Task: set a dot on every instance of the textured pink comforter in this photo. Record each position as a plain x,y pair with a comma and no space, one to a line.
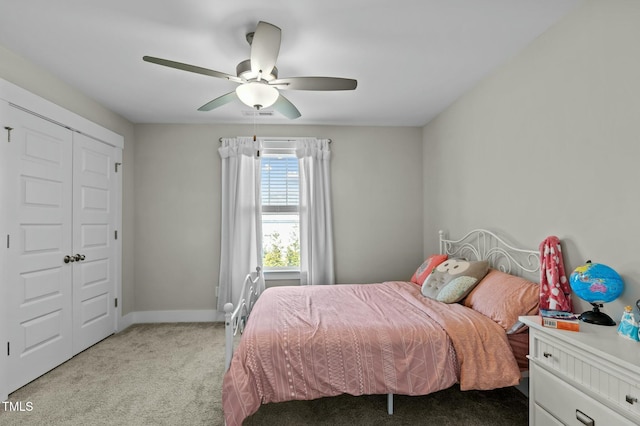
308,342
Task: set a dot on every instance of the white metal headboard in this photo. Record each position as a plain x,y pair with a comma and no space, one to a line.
481,244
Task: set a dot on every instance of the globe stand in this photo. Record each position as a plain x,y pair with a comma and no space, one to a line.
596,317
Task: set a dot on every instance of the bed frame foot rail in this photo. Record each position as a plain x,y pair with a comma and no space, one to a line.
228,335
235,319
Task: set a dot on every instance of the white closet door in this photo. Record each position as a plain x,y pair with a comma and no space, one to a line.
38,280
94,218
4,294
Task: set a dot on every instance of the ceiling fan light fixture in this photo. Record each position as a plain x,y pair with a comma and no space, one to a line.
257,95
258,76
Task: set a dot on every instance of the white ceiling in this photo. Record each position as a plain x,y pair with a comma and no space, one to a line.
412,58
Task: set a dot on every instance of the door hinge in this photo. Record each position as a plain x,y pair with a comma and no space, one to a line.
117,165
8,240
8,129
8,348
116,302
116,234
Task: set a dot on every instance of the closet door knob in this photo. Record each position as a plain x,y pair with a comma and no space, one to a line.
68,259
78,257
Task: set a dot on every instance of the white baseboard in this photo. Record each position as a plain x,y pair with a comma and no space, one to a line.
145,317
124,322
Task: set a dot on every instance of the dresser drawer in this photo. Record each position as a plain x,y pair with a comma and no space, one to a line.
582,369
548,353
567,403
543,418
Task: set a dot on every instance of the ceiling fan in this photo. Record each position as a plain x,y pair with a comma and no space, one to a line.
258,76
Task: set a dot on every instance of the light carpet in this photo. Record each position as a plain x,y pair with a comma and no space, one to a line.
171,374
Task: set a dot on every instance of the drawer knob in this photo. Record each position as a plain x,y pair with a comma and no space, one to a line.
546,355
584,419
630,399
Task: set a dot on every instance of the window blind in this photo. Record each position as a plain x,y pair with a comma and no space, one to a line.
280,185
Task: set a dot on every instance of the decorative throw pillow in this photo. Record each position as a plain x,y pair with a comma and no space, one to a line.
453,279
427,266
503,298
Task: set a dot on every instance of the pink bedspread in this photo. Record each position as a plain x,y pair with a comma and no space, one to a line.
308,342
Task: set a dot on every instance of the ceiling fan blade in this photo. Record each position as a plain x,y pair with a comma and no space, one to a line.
191,68
219,101
286,108
315,83
265,48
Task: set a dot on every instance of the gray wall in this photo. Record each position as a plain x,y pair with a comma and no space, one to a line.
549,145
546,145
377,190
171,227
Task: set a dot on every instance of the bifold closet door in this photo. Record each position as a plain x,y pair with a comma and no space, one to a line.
39,212
61,255
94,250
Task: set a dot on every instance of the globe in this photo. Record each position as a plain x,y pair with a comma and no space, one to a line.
596,283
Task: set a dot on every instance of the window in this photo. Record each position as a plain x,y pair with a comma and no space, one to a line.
280,192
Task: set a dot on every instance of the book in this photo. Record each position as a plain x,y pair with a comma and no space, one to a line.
560,320
558,314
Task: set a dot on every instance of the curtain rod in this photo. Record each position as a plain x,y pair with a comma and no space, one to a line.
279,139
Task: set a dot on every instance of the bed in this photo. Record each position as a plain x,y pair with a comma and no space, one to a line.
307,342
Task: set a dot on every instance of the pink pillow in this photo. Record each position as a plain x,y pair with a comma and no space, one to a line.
503,298
427,266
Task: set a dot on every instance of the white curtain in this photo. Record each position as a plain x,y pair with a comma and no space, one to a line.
316,227
241,222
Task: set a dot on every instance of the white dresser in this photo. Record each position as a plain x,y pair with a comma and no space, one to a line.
590,377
